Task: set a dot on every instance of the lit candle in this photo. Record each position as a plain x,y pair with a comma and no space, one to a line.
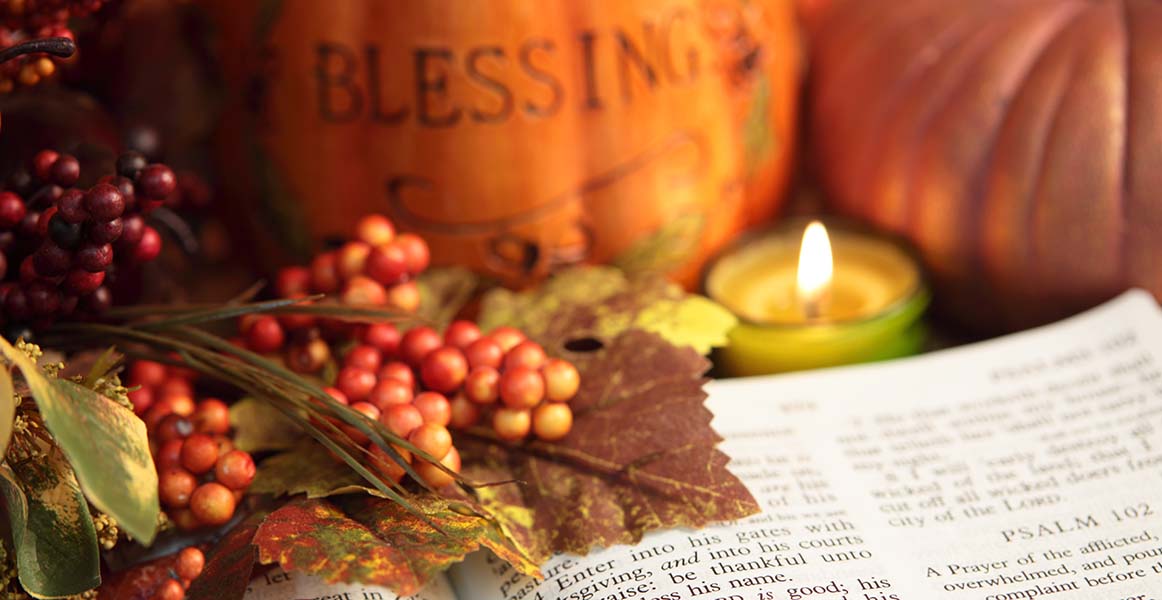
809,297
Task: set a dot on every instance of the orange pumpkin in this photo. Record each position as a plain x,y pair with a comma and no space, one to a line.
516,136
1018,143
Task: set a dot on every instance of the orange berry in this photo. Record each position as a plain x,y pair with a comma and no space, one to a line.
417,343
482,385
390,392
292,281
364,291
145,373
522,387
460,334
525,354
235,470
308,357
169,455
512,423
364,357
355,383
337,396
404,297
484,352
507,337
212,504
561,380
431,438
175,487
435,476
375,230
352,258
463,412
366,409
383,336
173,427
142,399
325,274
191,561
434,407
170,589
387,264
444,369
552,421
416,250
388,465
398,371
401,419
211,415
199,453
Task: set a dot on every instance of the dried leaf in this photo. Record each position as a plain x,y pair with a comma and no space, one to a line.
7,408
105,443
259,426
308,469
371,540
444,291
602,302
229,565
641,456
52,531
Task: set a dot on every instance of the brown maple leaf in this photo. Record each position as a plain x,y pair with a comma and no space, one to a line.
641,455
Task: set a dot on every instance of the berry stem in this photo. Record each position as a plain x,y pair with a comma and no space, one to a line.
62,47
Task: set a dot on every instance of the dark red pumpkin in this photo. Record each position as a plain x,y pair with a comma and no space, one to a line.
1018,143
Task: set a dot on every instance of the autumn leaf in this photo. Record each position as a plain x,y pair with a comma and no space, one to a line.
603,302
259,426
308,469
641,456
375,541
229,564
443,291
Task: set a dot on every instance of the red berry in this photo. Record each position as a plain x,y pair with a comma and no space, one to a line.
404,297
561,380
199,453
355,383
398,371
141,398
44,299
525,354
146,373
444,369
383,336
104,202
292,281
416,251
65,171
324,274
235,470
180,393
431,438
170,589
461,334
129,164
12,210
191,561
389,392
375,230
81,282
16,305
94,258
388,464
484,352
173,427
265,335
169,455
51,260
156,182
99,301
42,163
125,186
351,258
417,343
507,337
149,247
522,387
401,419
434,407
482,385
387,264
337,396
71,206
104,233
364,357
175,486
308,357
132,230
212,504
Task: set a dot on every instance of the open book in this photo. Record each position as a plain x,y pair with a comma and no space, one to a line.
1024,467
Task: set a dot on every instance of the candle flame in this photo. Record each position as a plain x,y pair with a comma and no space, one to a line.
813,280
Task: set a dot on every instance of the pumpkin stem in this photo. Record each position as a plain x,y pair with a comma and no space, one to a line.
56,46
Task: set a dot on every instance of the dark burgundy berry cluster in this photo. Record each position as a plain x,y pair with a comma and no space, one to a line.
23,21
60,242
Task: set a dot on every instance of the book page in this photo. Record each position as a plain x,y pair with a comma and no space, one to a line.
1024,467
276,584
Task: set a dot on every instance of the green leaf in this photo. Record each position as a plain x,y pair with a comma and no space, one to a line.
602,302
370,540
105,443
7,409
259,426
52,530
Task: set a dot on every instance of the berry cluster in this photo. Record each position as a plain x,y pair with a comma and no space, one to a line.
187,566
405,382
65,240
201,476
28,20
